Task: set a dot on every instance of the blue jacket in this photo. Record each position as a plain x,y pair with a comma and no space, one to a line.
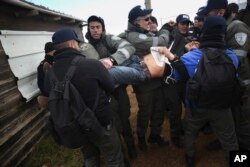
191,59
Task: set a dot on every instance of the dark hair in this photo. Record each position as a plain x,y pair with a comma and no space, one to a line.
233,7
98,19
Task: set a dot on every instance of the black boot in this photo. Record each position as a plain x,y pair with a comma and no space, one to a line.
157,139
142,143
189,161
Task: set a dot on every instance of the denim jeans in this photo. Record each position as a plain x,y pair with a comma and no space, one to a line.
129,72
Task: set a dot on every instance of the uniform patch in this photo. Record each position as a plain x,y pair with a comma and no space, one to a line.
143,36
241,38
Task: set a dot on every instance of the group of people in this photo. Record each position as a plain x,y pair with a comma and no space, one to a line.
111,63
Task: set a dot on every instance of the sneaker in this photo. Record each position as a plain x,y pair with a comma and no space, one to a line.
214,145
132,152
142,143
157,139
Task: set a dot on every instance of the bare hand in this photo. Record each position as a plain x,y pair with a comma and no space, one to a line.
107,63
171,23
191,45
166,52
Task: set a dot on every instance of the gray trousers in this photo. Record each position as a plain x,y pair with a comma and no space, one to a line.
221,122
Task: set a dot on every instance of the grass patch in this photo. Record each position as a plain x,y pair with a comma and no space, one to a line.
49,154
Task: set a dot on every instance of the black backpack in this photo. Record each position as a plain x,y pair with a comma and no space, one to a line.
215,84
71,122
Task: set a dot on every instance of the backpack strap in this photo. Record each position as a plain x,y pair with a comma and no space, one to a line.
70,73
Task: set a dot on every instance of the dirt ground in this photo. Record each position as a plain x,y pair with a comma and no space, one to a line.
170,156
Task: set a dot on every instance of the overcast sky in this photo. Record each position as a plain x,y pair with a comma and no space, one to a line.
115,12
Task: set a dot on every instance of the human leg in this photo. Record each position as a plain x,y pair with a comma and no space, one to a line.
222,124
110,147
173,102
194,120
124,114
144,96
242,126
129,72
157,119
91,155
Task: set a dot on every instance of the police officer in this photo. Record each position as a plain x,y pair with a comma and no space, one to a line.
113,50
238,39
139,35
173,92
244,14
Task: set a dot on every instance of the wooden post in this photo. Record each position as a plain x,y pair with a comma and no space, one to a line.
148,4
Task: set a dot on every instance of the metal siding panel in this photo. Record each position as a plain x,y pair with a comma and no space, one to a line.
25,50
25,65
28,87
21,43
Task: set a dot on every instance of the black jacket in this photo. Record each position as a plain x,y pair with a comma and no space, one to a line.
90,78
40,72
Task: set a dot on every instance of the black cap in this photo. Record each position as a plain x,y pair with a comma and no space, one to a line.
201,11
136,12
49,47
213,4
183,18
98,19
63,35
214,24
154,20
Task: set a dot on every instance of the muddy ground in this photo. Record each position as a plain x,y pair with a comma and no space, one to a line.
170,156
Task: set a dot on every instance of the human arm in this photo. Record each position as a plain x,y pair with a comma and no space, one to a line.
175,63
123,49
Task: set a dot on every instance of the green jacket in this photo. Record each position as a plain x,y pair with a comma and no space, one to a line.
238,39
142,40
112,46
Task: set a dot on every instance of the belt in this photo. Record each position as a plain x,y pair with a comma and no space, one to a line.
145,69
240,53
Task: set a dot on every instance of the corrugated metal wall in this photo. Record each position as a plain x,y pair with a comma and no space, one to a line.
24,57
22,122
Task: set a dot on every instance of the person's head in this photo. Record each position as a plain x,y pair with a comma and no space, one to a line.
195,21
214,7
232,10
183,22
200,18
140,17
66,38
49,48
234,7
153,24
214,29
96,27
